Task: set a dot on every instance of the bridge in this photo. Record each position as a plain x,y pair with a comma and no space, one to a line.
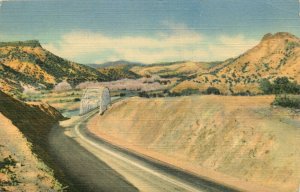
92,98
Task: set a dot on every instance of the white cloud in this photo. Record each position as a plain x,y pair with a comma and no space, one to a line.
230,46
160,47
175,43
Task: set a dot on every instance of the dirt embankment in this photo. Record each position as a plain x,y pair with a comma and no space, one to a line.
20,169
19,165
242,137
34,120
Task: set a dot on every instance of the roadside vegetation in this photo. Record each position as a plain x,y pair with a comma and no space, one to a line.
291,101
287,92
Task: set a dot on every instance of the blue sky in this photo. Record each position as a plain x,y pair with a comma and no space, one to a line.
95,31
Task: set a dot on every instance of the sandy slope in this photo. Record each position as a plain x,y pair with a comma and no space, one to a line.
242,137
20,170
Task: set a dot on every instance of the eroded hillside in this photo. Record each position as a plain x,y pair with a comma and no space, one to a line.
243,137
29,64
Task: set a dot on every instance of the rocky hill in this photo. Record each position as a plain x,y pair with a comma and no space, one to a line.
276,55
117,70
28,63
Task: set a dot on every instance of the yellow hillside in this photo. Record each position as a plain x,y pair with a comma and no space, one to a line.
27,63
276,55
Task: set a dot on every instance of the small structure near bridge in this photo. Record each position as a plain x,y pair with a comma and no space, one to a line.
94,98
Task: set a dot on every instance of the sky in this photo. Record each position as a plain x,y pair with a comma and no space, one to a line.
147,31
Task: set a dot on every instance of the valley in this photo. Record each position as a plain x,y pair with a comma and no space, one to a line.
229,125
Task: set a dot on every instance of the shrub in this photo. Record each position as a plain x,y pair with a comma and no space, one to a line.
267,66
144,94
190,91
184,92
291,45
281,85
213,90
292,101
243,93
244,68
233,75
77,99
122,94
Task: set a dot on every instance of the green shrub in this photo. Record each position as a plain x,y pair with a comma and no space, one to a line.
122,94
144,94
292,101
283,85
213,90
291,45
243,93
279,86
244,68
185,92
190,91
77,99
267,66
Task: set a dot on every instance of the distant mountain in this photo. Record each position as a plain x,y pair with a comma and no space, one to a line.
117,70
116,63
28,63
181,69
276,55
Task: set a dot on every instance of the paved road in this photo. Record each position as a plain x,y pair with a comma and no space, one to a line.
96,165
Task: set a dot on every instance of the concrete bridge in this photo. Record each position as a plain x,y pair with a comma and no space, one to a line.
93,98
